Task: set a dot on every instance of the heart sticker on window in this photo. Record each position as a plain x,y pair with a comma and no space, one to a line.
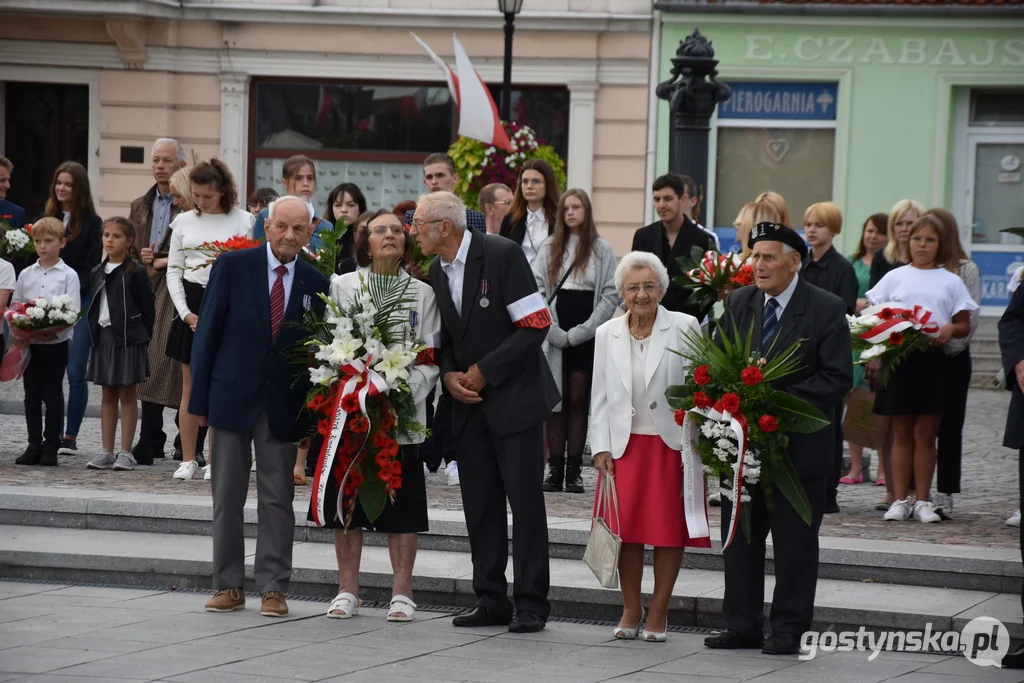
776,149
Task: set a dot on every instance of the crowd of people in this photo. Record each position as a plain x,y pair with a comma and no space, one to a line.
545,341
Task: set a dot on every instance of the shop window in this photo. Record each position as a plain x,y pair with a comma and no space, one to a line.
778,137
375,134
997,107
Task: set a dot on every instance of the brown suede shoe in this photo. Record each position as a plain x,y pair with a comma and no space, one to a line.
226,600
274,605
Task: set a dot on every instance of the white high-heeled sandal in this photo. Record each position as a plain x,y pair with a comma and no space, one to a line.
623,633
344,606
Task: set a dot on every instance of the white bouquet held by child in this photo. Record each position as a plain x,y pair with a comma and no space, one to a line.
39,320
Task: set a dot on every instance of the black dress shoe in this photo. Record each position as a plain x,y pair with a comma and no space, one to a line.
781,644
831,507
526,622
482,616
1014,660
731,640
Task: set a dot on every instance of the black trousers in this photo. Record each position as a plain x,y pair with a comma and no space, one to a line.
796,564
1020,504
440,444
951,429
151,432
44,385
494,468
832,482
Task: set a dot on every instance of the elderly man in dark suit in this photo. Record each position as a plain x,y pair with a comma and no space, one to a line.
672,237
244,385
783,309
1011,344
494,322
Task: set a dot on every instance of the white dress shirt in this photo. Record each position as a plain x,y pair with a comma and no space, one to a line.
36,281
456,270
536,233
104,320
783,299
288,277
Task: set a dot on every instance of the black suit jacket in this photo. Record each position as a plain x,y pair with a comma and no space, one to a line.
1011,346
817,319
652,238
520,391
517,231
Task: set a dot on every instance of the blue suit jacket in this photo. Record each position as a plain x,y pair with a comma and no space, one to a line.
237,369
16,213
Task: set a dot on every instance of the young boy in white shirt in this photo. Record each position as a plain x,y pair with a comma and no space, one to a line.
44,377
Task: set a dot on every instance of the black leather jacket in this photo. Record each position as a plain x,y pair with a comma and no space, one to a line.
131,302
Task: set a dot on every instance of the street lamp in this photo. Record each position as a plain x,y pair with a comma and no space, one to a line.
692,93
510,8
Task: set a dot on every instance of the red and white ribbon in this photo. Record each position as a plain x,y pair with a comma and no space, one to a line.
901,318
364,380
690,430
694,495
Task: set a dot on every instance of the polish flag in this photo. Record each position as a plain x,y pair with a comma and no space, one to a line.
478,115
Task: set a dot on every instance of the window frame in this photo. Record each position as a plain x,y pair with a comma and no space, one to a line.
255,151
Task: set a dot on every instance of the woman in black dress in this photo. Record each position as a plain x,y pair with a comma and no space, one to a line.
575,273
381,250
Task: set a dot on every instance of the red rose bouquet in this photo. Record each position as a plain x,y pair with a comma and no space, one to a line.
735,422
711,276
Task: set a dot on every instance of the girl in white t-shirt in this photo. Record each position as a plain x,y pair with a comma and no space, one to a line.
916,395
214,219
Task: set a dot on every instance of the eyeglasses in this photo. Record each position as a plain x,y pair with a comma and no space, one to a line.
648,287
419,224
507,202
381,229
531,181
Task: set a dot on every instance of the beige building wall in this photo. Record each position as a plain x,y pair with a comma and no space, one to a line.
187,75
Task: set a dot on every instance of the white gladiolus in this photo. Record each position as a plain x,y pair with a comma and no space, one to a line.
873,352
322,375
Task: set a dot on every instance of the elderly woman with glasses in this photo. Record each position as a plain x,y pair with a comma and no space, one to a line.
636,440
382,249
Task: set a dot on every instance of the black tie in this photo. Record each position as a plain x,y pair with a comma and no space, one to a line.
771,324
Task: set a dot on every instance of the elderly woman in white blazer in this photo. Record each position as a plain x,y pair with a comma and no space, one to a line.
635,438
380,248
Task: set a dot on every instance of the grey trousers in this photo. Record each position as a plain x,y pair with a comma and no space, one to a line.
231,459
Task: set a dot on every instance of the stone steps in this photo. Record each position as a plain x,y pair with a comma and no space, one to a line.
996,570
443,578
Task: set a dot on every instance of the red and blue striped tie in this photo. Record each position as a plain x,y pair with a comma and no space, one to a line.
277,302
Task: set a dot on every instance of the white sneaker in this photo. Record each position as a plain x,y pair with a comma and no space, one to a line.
1014,519
899,511
452,470
943,505
186,470
924,511
206,472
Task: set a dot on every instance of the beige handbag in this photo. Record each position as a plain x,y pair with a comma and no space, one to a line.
602,553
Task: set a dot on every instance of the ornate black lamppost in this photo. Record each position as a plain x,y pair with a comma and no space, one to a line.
692,93
510,8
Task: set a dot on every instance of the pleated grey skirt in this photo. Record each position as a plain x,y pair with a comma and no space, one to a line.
114,365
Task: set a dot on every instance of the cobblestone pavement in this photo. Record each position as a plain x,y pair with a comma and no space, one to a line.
989,481
59,633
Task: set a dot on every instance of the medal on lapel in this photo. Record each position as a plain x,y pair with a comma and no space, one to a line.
307,302
484,289
414,318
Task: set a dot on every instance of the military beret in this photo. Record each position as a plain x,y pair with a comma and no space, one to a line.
775,232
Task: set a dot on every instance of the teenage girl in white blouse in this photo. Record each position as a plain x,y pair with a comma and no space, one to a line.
215,218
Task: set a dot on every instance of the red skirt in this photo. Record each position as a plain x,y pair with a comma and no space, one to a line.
649,481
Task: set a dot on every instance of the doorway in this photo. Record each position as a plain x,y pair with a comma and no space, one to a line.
45,124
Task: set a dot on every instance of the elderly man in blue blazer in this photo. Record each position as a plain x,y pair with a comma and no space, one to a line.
245,387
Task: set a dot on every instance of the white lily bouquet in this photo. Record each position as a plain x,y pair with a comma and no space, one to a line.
363,354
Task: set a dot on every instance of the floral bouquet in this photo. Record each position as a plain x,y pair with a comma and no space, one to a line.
325,259
735,423
38,320
891,332
363,355
214,249
15,242
711,276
